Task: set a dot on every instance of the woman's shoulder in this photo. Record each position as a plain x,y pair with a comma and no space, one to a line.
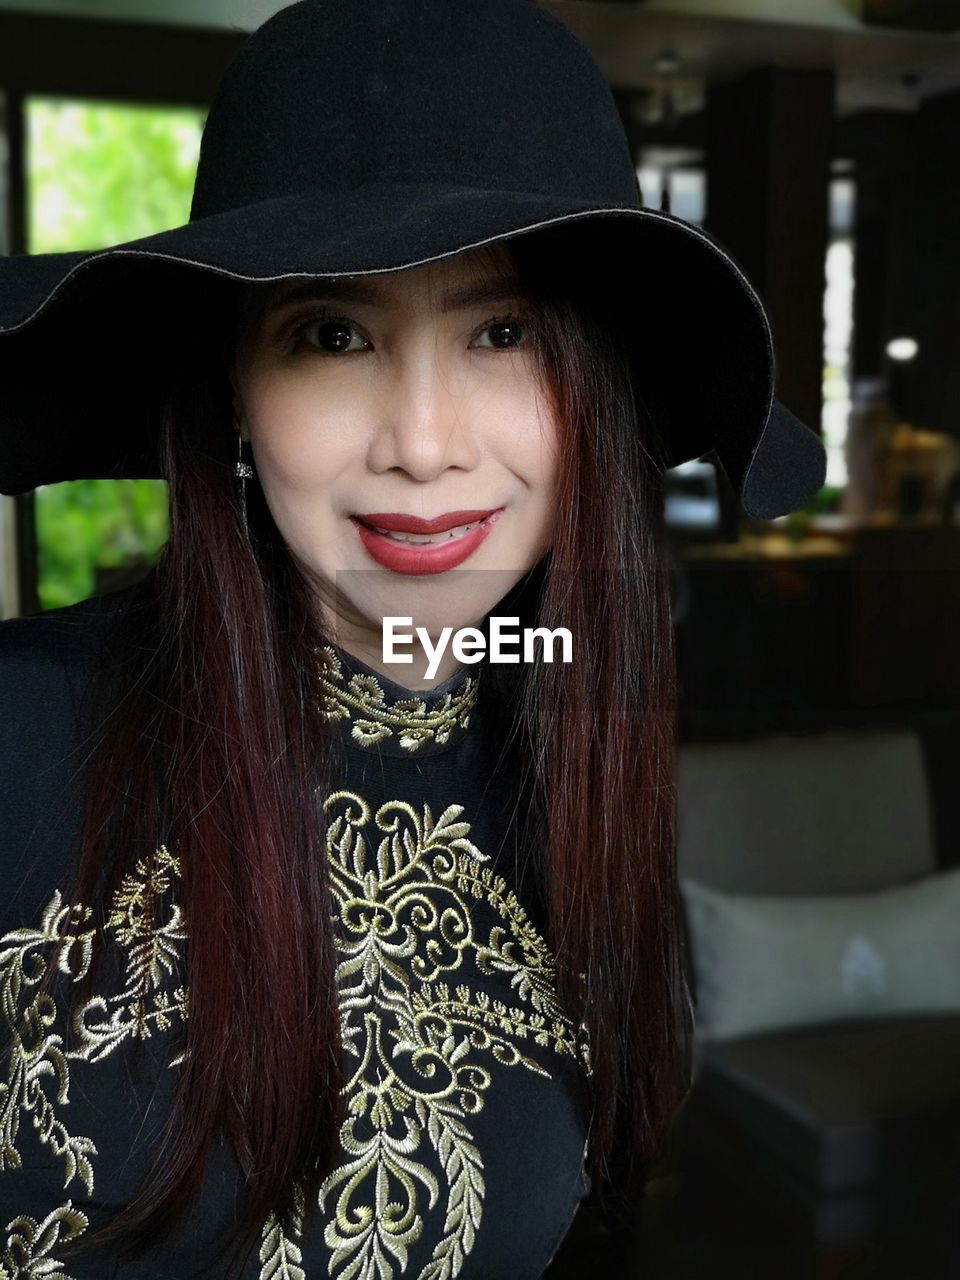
46,664
61,635
46,650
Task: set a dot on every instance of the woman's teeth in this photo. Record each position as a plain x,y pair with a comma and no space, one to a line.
416,539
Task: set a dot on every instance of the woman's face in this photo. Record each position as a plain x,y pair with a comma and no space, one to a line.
393,399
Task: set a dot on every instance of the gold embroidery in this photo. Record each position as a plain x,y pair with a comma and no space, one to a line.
152,950
37,1055
363,699
406,924
280,1256
418,1041
29,1243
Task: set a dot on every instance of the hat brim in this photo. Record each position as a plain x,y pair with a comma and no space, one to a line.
84,335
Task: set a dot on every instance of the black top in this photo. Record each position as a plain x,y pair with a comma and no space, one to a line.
475,1169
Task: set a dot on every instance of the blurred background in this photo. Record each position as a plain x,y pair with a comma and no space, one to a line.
819,718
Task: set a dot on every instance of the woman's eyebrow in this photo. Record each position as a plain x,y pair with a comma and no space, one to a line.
364,292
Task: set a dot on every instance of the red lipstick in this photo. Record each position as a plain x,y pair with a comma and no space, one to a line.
423,558
397,522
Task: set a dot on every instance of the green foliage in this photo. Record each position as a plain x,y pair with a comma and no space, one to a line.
102,174
824,502
88,525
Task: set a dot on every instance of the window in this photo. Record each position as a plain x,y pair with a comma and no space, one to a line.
679,171
100,174
838,327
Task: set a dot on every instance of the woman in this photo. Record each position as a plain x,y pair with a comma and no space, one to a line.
377,974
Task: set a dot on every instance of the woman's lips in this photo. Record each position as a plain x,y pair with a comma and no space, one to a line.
398,521
450,541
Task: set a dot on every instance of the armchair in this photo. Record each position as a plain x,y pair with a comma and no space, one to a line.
837,1142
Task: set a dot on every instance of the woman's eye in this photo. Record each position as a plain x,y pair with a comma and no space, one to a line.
333,336
504,334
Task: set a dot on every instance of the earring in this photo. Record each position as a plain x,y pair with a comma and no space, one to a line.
243,471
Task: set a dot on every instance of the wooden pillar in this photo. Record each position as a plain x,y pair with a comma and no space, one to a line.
925,301
769,146
24,513
19,516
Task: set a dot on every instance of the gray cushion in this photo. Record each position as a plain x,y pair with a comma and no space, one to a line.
764,962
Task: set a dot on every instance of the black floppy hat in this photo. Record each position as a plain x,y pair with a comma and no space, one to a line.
358,136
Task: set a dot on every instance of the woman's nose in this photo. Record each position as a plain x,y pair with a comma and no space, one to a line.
425,425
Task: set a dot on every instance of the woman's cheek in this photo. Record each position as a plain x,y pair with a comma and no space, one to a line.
536,452
298,468
295,452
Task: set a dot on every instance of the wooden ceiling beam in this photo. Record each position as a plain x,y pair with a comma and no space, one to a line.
127,61
912,15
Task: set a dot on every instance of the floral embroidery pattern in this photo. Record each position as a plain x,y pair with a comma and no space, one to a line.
421,1036
280,1256
363,700
29,1243
37,1056
419,1042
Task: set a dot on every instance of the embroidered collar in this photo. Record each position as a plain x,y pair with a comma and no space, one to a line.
386,717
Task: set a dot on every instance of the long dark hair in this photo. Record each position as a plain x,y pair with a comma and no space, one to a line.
214,747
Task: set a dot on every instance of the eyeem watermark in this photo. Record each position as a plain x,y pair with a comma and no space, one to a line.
469,644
